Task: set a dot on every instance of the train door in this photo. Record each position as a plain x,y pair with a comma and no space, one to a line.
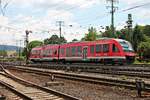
85,53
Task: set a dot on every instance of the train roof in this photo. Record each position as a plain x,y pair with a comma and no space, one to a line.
80,42
119,40
37,48
91,41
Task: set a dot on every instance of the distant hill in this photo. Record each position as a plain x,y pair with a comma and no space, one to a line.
9,48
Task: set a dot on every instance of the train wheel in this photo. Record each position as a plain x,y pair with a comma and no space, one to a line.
121,64
63,61
112,63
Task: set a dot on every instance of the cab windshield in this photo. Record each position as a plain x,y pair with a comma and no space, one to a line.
127,47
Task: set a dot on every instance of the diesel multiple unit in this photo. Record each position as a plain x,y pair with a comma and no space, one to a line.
100,51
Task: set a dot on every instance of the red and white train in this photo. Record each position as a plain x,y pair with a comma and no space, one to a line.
105,51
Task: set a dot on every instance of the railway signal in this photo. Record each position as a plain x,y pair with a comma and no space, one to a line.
129,26
27,42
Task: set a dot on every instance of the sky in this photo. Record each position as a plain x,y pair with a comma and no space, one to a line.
41,16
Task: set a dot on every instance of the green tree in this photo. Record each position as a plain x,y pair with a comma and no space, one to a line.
54,39
146,30
34,44
138,37
124,34
74,40
108,33
3,53
92,34
31,45
144,49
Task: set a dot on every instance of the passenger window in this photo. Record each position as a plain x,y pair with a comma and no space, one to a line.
44,52
105,48
50,52
79,51
47,52
67,52
92,49
33,52
55,52
73,51
98,48
114,48
62,51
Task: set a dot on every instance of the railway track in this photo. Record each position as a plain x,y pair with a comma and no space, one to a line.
30,91
84,78
87,66
74,66
125,73
143,72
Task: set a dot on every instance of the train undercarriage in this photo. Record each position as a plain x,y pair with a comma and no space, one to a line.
115,61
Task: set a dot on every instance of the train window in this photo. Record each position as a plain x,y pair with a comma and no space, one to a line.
33,52
55,52
44,53
73,50
105,48
37,52
62,50
92,49
50,52
114,48
67,52
98,48
79,51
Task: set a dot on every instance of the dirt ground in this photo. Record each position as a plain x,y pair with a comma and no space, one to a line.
85,91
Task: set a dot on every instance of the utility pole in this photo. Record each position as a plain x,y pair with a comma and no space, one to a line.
20,49
27,42
113,9
60,24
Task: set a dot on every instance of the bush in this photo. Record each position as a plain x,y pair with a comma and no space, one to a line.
144,50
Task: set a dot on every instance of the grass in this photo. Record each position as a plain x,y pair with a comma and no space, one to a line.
142,62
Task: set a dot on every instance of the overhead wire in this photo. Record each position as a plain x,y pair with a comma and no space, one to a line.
134,7
100,17
124,10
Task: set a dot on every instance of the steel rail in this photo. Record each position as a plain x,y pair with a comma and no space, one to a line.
60,94
134,72
15,91
84,78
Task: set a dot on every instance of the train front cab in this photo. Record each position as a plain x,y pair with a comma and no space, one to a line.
106,51
127,50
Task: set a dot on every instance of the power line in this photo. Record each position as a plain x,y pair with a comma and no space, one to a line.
98,18
3,6
134,7
124,10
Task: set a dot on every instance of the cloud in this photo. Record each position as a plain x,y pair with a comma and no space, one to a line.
144,14
59,15
133,2
140,9
4,20
45,26
57,4
40,16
